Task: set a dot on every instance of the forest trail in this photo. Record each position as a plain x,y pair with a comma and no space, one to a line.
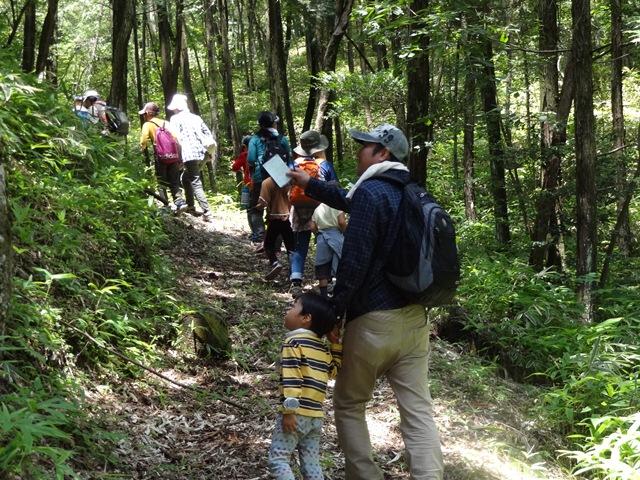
174,433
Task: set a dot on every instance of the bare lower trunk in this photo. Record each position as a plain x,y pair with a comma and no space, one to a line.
6,259
586,193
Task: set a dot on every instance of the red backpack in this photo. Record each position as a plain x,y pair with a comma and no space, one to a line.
165,146
296,194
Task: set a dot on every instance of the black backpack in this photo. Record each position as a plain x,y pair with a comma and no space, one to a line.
117,120
425,267
272,146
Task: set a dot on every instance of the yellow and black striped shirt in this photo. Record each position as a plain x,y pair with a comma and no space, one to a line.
307,363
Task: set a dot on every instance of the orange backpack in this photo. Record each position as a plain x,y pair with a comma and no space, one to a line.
296,194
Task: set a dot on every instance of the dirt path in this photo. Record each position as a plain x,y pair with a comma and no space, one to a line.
176,434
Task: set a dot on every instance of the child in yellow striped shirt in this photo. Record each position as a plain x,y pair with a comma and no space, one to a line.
307,363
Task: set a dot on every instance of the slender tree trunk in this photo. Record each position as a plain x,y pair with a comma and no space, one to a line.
136,57
251,55
280,64
313,65
170,62
617,114
6,251
586,194
468,155
212,67
122,23
246,56
15,22
364,69
343,11
227,70
542,248
456,108
29,37
339,147
418,93
47,36
496,151
185,67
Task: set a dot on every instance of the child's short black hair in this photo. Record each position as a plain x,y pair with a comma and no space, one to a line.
323,315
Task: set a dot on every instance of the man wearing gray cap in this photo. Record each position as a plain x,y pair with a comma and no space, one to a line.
384,334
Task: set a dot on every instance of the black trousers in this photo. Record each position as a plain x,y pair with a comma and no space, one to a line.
275,228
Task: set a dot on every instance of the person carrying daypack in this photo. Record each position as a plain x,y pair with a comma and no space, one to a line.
265,143
196,141
116,120
385,331
167,163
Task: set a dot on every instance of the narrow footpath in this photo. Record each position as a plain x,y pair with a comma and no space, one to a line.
176,433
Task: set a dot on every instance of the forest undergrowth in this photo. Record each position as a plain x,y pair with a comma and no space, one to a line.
99,269
485,421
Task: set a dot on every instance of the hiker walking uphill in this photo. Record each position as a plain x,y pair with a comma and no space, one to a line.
310,159
385,333
265,143
167,163
196,140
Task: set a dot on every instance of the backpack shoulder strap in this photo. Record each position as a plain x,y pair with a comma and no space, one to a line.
387,177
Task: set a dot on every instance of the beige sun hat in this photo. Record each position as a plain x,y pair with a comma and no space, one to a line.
311,142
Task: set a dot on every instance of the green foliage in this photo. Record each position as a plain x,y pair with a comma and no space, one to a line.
91,277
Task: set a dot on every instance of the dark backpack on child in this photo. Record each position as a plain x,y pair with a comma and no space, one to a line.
117,120
272,146
165,146
425,264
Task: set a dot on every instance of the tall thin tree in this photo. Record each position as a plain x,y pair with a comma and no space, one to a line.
122,24
585,141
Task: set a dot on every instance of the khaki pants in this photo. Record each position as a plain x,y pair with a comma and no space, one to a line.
394,343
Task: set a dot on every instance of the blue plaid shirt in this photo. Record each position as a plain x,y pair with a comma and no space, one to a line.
361,285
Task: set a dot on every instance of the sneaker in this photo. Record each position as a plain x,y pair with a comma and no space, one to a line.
276,268
259,248
181,206
207,217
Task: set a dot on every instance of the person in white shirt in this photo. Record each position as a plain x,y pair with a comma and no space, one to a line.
195,140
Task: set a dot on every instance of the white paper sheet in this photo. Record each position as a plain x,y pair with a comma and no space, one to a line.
278,170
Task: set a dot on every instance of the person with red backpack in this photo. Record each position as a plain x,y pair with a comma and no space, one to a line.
168,165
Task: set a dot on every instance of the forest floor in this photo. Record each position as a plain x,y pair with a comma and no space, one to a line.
487,428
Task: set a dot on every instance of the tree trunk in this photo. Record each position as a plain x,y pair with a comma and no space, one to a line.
212,68
280,65
47,36
313,65
246,56
543,248
418,129
187,85
227,70
137,66
29,37
586,194
617,114
468,156
122,23
339,147
496,152
6,251
170,63
343,11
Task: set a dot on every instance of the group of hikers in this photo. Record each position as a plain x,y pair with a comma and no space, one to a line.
366,327
371,327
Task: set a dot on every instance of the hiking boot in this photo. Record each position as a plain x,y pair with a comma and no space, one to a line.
207,217
276,268
190,209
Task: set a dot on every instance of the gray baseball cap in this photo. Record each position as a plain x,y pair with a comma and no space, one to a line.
387,135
